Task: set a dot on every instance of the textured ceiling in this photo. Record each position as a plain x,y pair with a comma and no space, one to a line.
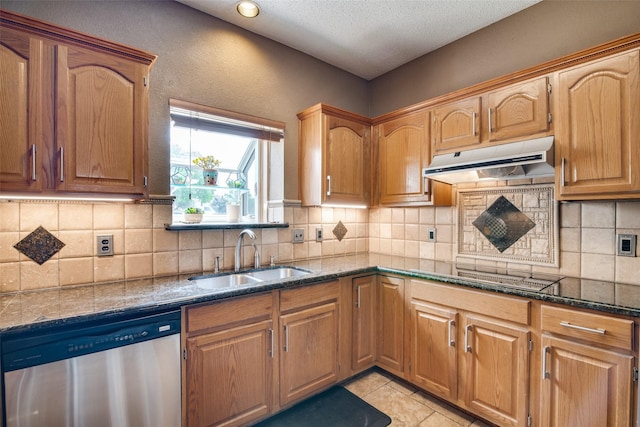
365,37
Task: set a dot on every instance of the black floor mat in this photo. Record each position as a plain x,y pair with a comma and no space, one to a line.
336,407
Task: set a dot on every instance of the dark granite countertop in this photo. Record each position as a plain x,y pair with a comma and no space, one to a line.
34,310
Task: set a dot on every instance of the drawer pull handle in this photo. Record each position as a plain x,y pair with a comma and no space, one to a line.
358,301
286,338
545,374
328,185
271,348
583,328
452,342
34,176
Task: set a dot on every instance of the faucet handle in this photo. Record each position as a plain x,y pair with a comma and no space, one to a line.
271,261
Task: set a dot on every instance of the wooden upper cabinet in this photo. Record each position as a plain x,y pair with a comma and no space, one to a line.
24,131
334,157
74,113
402,152
518,110
101,122
598,138
456,124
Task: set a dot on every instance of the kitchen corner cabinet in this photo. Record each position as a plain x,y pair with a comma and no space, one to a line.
75,113
363,348
457,124
587,363
391,321
598,140
230,361
402,151
471,348
334,157
309,322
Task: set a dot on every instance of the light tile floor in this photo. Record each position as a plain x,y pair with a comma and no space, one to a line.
405,405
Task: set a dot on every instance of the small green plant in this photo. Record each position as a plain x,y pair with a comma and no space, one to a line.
194,210
207,162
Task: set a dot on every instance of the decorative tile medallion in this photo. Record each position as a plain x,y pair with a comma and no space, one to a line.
511,224
40,245
503,224
340,231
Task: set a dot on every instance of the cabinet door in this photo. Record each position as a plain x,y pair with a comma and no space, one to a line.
390,352
496,372
403,152
101,122
309,357
584,386
599,122
229,376
346,161
456,125
364,323
26,109
518,110
434,364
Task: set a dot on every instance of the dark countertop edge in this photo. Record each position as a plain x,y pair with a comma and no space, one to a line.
162,307
224,225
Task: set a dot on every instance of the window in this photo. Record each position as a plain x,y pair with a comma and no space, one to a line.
239,143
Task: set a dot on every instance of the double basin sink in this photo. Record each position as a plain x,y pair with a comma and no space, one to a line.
226,280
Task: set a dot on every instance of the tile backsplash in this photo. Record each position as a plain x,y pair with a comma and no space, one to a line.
143,248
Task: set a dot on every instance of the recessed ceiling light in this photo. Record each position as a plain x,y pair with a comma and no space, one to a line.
248,9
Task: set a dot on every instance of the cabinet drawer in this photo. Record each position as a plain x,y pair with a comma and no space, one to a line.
596,328
228,312
307,296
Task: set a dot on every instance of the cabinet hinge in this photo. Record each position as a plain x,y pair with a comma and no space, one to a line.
635,374
529,420
530,345
549,88
549,118
184,353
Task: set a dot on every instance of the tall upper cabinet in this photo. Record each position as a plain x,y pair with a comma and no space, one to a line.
73,111
598,139
334,156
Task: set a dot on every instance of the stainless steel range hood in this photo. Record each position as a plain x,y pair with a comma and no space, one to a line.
515,160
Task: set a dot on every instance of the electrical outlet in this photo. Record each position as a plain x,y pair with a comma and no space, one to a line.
431,235
319,234
104,245
626,245
298,235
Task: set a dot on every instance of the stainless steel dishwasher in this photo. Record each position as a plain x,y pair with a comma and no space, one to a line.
121,373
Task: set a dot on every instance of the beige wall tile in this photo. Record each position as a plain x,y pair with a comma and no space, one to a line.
598,267
165,241
165,263
76,216
75,271
300,216
628,215
138,216
315,249
570,239
189,240
190,261
599,214
374,245
428,215
138,241
350,215
9,216
385,214
412,232
327,215
385,246
108,216
272,250
597,291
570,214
374,215
412,215
397,215
212,239
138,265
598,241
628,270
161,215
339,214
397,247
385,230
443,252
628,295
328,248
315,215
285,251
570,264
7,252
77,244
34,276
9,276
34,215
412,248
107,269
209,258
444,234
397,231
301,250
269,236
444,215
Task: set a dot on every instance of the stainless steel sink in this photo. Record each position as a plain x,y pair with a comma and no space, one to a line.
220,281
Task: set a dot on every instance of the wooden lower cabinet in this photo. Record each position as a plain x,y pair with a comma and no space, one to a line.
465,348
363,347
391,320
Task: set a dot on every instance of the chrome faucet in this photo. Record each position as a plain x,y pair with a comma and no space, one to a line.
256,254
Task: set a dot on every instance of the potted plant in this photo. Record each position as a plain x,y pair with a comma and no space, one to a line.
208,165
193,215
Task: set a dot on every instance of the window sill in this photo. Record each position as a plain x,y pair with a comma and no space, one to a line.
224,225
